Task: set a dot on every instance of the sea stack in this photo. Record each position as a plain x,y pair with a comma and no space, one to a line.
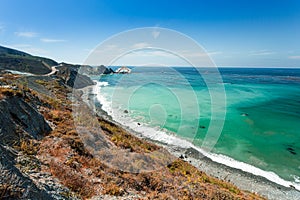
123,70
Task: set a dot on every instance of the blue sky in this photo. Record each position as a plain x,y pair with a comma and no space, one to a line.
235,33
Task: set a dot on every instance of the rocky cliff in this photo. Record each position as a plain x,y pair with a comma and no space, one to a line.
19,119
70,75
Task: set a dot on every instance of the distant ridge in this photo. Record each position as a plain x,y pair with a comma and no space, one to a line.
8,51
12,59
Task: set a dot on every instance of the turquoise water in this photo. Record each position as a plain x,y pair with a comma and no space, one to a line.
262,113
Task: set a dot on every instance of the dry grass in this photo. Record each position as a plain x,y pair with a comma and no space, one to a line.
125,140
8,77
113,189
41,82
11,187
29,147
72,179
8,92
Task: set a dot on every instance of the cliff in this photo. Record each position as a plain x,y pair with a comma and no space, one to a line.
70,76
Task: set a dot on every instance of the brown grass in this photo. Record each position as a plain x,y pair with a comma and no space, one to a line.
11,186
125,140
29,147
113,189
72,179
8,92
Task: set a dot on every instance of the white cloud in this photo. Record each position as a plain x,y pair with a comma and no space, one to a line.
26,34
48,40
294,57
263,52
140,45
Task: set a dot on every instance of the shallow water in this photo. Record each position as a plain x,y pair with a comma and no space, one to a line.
262,113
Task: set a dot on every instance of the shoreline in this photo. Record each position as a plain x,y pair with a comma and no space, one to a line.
243,180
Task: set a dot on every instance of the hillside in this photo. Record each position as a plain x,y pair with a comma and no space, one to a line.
20,61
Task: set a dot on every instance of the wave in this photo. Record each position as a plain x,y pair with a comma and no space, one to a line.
163,136
103,83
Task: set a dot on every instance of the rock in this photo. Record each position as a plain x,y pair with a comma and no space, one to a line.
123,70
18,116
95,70
291,186
108,71
77,81
291,150
20,186
70,76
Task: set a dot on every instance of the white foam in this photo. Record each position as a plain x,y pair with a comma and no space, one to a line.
102,83
157,134
106,105
271,176
297,179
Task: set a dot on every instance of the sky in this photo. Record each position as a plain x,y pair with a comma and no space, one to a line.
245,33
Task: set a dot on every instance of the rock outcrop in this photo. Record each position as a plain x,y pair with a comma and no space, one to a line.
96,70
18,185
17,116
71,77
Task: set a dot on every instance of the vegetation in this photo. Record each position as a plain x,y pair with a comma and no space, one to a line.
123,139
10,185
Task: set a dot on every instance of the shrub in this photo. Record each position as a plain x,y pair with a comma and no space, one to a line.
72,179
29,147
113,189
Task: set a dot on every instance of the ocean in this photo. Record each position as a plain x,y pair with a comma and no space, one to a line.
259,116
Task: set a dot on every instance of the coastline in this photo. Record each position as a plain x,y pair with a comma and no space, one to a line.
243,180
